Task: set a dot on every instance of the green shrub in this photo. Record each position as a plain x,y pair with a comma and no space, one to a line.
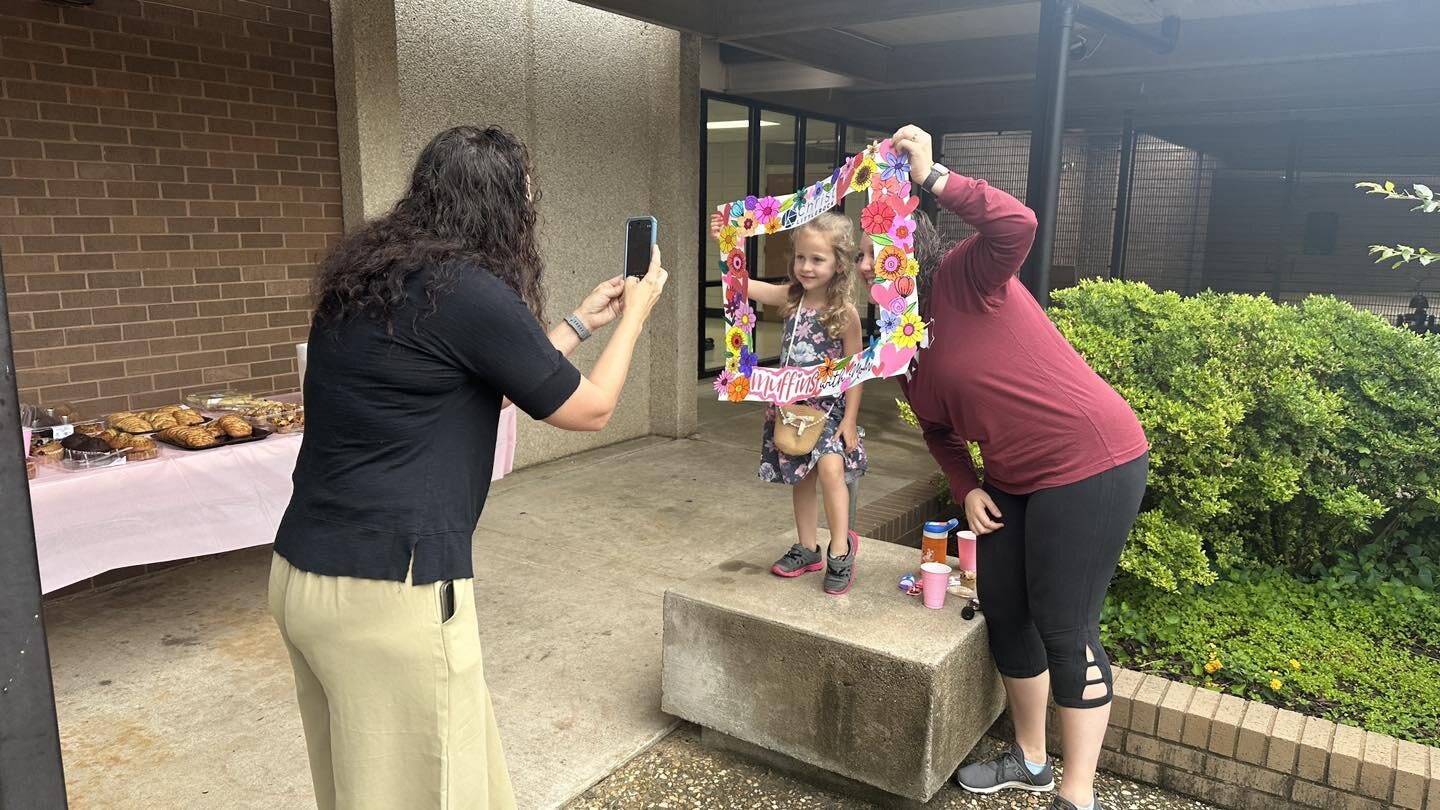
1280,435
1359,646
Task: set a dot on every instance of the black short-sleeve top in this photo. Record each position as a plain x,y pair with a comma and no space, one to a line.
400,427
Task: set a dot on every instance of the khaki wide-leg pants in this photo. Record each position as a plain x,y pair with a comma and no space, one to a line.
393,700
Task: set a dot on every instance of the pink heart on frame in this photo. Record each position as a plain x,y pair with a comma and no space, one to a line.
904,209
887,299
891,359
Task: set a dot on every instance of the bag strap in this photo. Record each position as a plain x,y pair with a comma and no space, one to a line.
790,347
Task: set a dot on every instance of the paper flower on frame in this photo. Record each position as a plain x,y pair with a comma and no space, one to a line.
735,261
735,340
910,332
750,202
729,239
744,318
901,231
748,361
897,167
767,209
826,370
864,173
722,382
890,263
877,217
738,389
889,322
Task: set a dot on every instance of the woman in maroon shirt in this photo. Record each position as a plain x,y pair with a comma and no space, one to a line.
1065,462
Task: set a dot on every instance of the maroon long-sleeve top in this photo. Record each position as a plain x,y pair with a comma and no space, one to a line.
998,372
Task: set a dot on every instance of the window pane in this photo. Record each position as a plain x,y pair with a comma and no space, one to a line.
727,167
821,156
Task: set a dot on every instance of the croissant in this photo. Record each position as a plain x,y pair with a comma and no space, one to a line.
141,449
134,424
234,426
194,438
187,417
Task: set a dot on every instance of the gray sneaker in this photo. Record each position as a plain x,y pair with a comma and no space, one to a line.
1061,803
840,571
798,560
1006,771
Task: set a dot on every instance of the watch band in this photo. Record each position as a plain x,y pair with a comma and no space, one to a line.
578,326
937,171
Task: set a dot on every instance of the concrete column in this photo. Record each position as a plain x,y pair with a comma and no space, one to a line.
373,174
609,109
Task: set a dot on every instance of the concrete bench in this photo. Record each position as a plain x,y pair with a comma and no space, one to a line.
871,686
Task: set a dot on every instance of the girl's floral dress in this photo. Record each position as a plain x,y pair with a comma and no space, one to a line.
807,344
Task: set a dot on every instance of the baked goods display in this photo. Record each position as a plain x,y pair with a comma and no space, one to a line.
137,448
82,452
270,414
229,429
150,421
136,435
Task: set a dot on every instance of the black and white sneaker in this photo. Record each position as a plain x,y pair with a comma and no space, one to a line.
1006,771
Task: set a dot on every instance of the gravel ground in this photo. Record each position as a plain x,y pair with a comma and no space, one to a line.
679,773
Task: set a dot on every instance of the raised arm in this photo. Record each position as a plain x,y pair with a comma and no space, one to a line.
1005,228
763,292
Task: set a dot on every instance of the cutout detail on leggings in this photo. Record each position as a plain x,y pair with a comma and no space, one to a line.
1095,686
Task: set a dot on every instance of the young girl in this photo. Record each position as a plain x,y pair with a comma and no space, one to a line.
821,323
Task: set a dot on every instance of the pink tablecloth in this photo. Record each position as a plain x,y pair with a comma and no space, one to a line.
179,505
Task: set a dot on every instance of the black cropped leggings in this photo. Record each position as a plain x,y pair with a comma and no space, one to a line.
1044,575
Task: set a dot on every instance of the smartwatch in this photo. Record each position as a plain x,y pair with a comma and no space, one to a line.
937,171
578,326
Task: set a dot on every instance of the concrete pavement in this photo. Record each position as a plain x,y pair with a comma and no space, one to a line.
174,690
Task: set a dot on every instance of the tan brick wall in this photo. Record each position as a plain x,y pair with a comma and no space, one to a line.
168,175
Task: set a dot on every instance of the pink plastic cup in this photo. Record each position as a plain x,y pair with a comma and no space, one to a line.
935,578
25,436
965,547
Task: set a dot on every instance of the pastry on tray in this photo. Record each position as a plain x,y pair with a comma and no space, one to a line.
132,423
234,426
194,438
140,448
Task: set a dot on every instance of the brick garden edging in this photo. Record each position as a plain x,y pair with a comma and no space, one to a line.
1230,752
1244,754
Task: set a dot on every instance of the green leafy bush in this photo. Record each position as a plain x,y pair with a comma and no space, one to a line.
1359,646
1280,435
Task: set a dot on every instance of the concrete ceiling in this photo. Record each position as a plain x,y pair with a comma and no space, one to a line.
956,64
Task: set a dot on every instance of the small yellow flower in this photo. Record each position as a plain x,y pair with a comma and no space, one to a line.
1214,666
912,268
864,173
1276,683
729,236
772,225
1294,665
910,333
735,340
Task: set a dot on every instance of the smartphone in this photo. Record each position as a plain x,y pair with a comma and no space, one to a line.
447,600
639,239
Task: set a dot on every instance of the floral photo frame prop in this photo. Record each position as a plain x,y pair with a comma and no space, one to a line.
888,221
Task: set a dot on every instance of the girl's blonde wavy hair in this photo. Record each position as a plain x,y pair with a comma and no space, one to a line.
839,233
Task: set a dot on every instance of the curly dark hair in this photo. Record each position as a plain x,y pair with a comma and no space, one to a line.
471,198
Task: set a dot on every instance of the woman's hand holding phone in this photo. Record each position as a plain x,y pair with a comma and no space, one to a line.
642,293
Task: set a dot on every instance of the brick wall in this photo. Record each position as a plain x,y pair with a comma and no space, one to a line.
1247,755
168,175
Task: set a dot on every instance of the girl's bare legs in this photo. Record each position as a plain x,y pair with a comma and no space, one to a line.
807,514
837,503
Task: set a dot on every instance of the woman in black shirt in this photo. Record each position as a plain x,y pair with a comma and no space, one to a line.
426,319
